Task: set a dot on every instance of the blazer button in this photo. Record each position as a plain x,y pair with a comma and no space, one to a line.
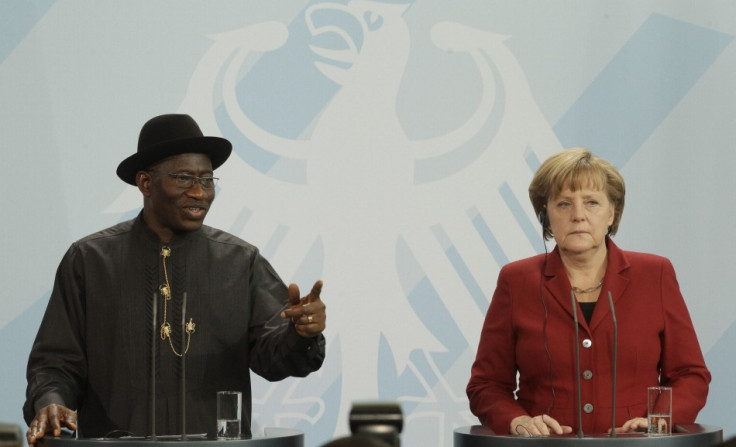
587,343
588,408
587,374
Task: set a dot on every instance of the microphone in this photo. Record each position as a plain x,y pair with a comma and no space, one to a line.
183,367
577,364
154,311
615,356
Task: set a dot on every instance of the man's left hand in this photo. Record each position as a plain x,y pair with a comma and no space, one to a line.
307,313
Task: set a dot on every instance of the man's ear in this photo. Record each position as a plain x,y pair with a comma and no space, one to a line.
144,180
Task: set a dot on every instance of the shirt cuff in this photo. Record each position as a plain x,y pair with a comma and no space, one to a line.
296,342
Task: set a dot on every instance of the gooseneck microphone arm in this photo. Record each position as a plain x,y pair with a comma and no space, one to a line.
577,364
615,356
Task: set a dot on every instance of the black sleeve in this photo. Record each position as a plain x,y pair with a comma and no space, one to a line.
57,365
276,350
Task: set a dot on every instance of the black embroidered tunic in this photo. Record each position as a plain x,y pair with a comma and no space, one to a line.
92,352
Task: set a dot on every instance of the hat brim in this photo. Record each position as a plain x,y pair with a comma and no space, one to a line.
216,148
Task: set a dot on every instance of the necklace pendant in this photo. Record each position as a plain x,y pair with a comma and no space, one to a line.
165,292
165,331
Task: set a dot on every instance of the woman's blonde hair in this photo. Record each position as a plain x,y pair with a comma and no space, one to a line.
576,168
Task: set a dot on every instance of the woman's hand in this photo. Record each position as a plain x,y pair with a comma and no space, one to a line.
538,425
632,425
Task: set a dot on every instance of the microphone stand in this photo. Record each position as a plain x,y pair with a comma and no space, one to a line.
183,368
154,313
577,364
615,355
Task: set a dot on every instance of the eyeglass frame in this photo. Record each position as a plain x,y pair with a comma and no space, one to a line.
179,177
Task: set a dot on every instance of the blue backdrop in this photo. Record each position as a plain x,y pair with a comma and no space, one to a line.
384,146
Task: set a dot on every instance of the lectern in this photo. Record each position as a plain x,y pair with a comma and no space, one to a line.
273,437
685,435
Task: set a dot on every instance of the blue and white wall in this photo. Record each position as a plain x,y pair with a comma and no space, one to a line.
384,146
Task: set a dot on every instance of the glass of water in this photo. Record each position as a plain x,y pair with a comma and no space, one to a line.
659,410
228,414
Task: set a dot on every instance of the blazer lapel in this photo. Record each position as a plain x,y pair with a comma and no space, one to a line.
615,282
556,283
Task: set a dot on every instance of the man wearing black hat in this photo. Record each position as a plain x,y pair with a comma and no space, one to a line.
216,303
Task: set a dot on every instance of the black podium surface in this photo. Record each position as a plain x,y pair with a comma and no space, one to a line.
272,437
685,435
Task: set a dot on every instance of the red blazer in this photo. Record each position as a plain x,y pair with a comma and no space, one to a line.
529,330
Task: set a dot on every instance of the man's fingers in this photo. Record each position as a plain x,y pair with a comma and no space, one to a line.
37,428
294,297
33,435
53,420
316,290
50,419
42,424
300,307
294,301
68,418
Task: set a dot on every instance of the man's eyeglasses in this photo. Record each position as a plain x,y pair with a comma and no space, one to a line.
186,181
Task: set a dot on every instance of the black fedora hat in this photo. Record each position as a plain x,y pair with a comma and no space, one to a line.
172,134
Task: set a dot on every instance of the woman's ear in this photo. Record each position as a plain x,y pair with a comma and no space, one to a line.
612,216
